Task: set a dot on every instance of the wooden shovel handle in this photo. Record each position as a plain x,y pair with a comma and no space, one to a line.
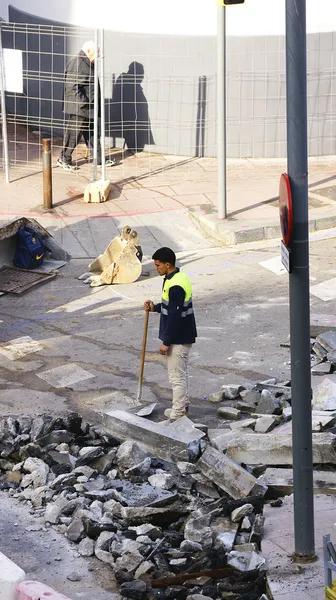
143,354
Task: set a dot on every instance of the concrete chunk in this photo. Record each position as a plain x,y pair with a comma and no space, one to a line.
243,424
160,439
227,475
272,449
230,392
281,480
327,340
228,412
324,395
265,424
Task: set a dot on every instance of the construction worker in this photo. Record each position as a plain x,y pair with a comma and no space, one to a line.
177,327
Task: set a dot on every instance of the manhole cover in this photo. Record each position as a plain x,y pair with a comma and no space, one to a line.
16,281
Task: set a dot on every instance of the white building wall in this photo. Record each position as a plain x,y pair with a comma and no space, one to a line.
179,17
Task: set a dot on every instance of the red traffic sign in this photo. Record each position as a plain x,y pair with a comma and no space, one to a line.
285,209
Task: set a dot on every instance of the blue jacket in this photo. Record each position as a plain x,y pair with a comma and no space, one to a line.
175,329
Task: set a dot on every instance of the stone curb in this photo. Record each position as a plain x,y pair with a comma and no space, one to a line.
233,232
30,590
13,585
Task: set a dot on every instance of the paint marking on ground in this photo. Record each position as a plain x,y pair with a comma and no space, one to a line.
274,264
65,375
19,347
326,290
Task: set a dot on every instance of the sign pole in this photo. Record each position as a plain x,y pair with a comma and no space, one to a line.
297,161
221,110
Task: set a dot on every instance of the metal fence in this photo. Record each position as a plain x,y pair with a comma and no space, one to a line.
179,94
166,114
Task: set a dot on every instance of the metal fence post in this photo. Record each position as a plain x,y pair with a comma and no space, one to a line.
47,173
102,99
297,161
221,110
96,108
3,112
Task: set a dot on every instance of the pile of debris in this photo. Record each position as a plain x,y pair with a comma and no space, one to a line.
168,530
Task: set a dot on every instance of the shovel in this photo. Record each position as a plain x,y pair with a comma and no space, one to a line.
143,353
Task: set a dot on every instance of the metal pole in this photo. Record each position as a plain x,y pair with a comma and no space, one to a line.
96,107
102,99
297,161
221,110
47,174
3,113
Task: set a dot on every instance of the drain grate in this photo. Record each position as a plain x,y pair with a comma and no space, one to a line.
16,281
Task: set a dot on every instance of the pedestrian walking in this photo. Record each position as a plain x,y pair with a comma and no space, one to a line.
177,327
79,106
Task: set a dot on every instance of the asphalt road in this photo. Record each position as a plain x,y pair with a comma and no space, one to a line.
242,313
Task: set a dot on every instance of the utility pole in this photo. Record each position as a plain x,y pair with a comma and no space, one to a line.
297,164
221,110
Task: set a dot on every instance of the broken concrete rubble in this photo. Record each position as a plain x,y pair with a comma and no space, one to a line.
162,440
272,449
281,480
228,475
142,531
324,395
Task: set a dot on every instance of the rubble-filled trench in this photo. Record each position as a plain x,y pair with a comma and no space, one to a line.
187,526
165,530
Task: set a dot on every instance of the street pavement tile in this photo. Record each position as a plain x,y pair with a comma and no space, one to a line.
65,375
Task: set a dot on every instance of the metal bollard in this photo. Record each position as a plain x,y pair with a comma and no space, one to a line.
47,173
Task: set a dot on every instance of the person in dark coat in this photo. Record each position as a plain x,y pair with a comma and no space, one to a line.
130,109
79,105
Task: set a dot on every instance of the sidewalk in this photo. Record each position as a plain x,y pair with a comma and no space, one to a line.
288,580
172,199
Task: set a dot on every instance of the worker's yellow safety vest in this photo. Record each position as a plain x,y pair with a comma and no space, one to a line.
183,281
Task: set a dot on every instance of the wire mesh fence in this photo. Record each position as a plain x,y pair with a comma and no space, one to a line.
160,115
160,96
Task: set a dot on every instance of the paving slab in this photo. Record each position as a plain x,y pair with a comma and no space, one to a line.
160,439
150,184
271,449
228,475
288,580
281,480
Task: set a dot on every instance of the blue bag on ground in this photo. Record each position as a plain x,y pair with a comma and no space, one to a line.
30,250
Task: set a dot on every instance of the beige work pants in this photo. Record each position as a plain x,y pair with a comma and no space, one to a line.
177,363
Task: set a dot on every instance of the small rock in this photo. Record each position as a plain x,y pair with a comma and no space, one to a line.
242,511
231,392
276,503
229,412
216,397
145,568
186,468
265,424
137,590
161,480
74,577
86,547
268,404
65,480
246,524
151,531
75,530
198,597
88,454
84,470
141,468
189,546
128,455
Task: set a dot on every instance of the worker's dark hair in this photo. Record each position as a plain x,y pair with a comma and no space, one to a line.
165,255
